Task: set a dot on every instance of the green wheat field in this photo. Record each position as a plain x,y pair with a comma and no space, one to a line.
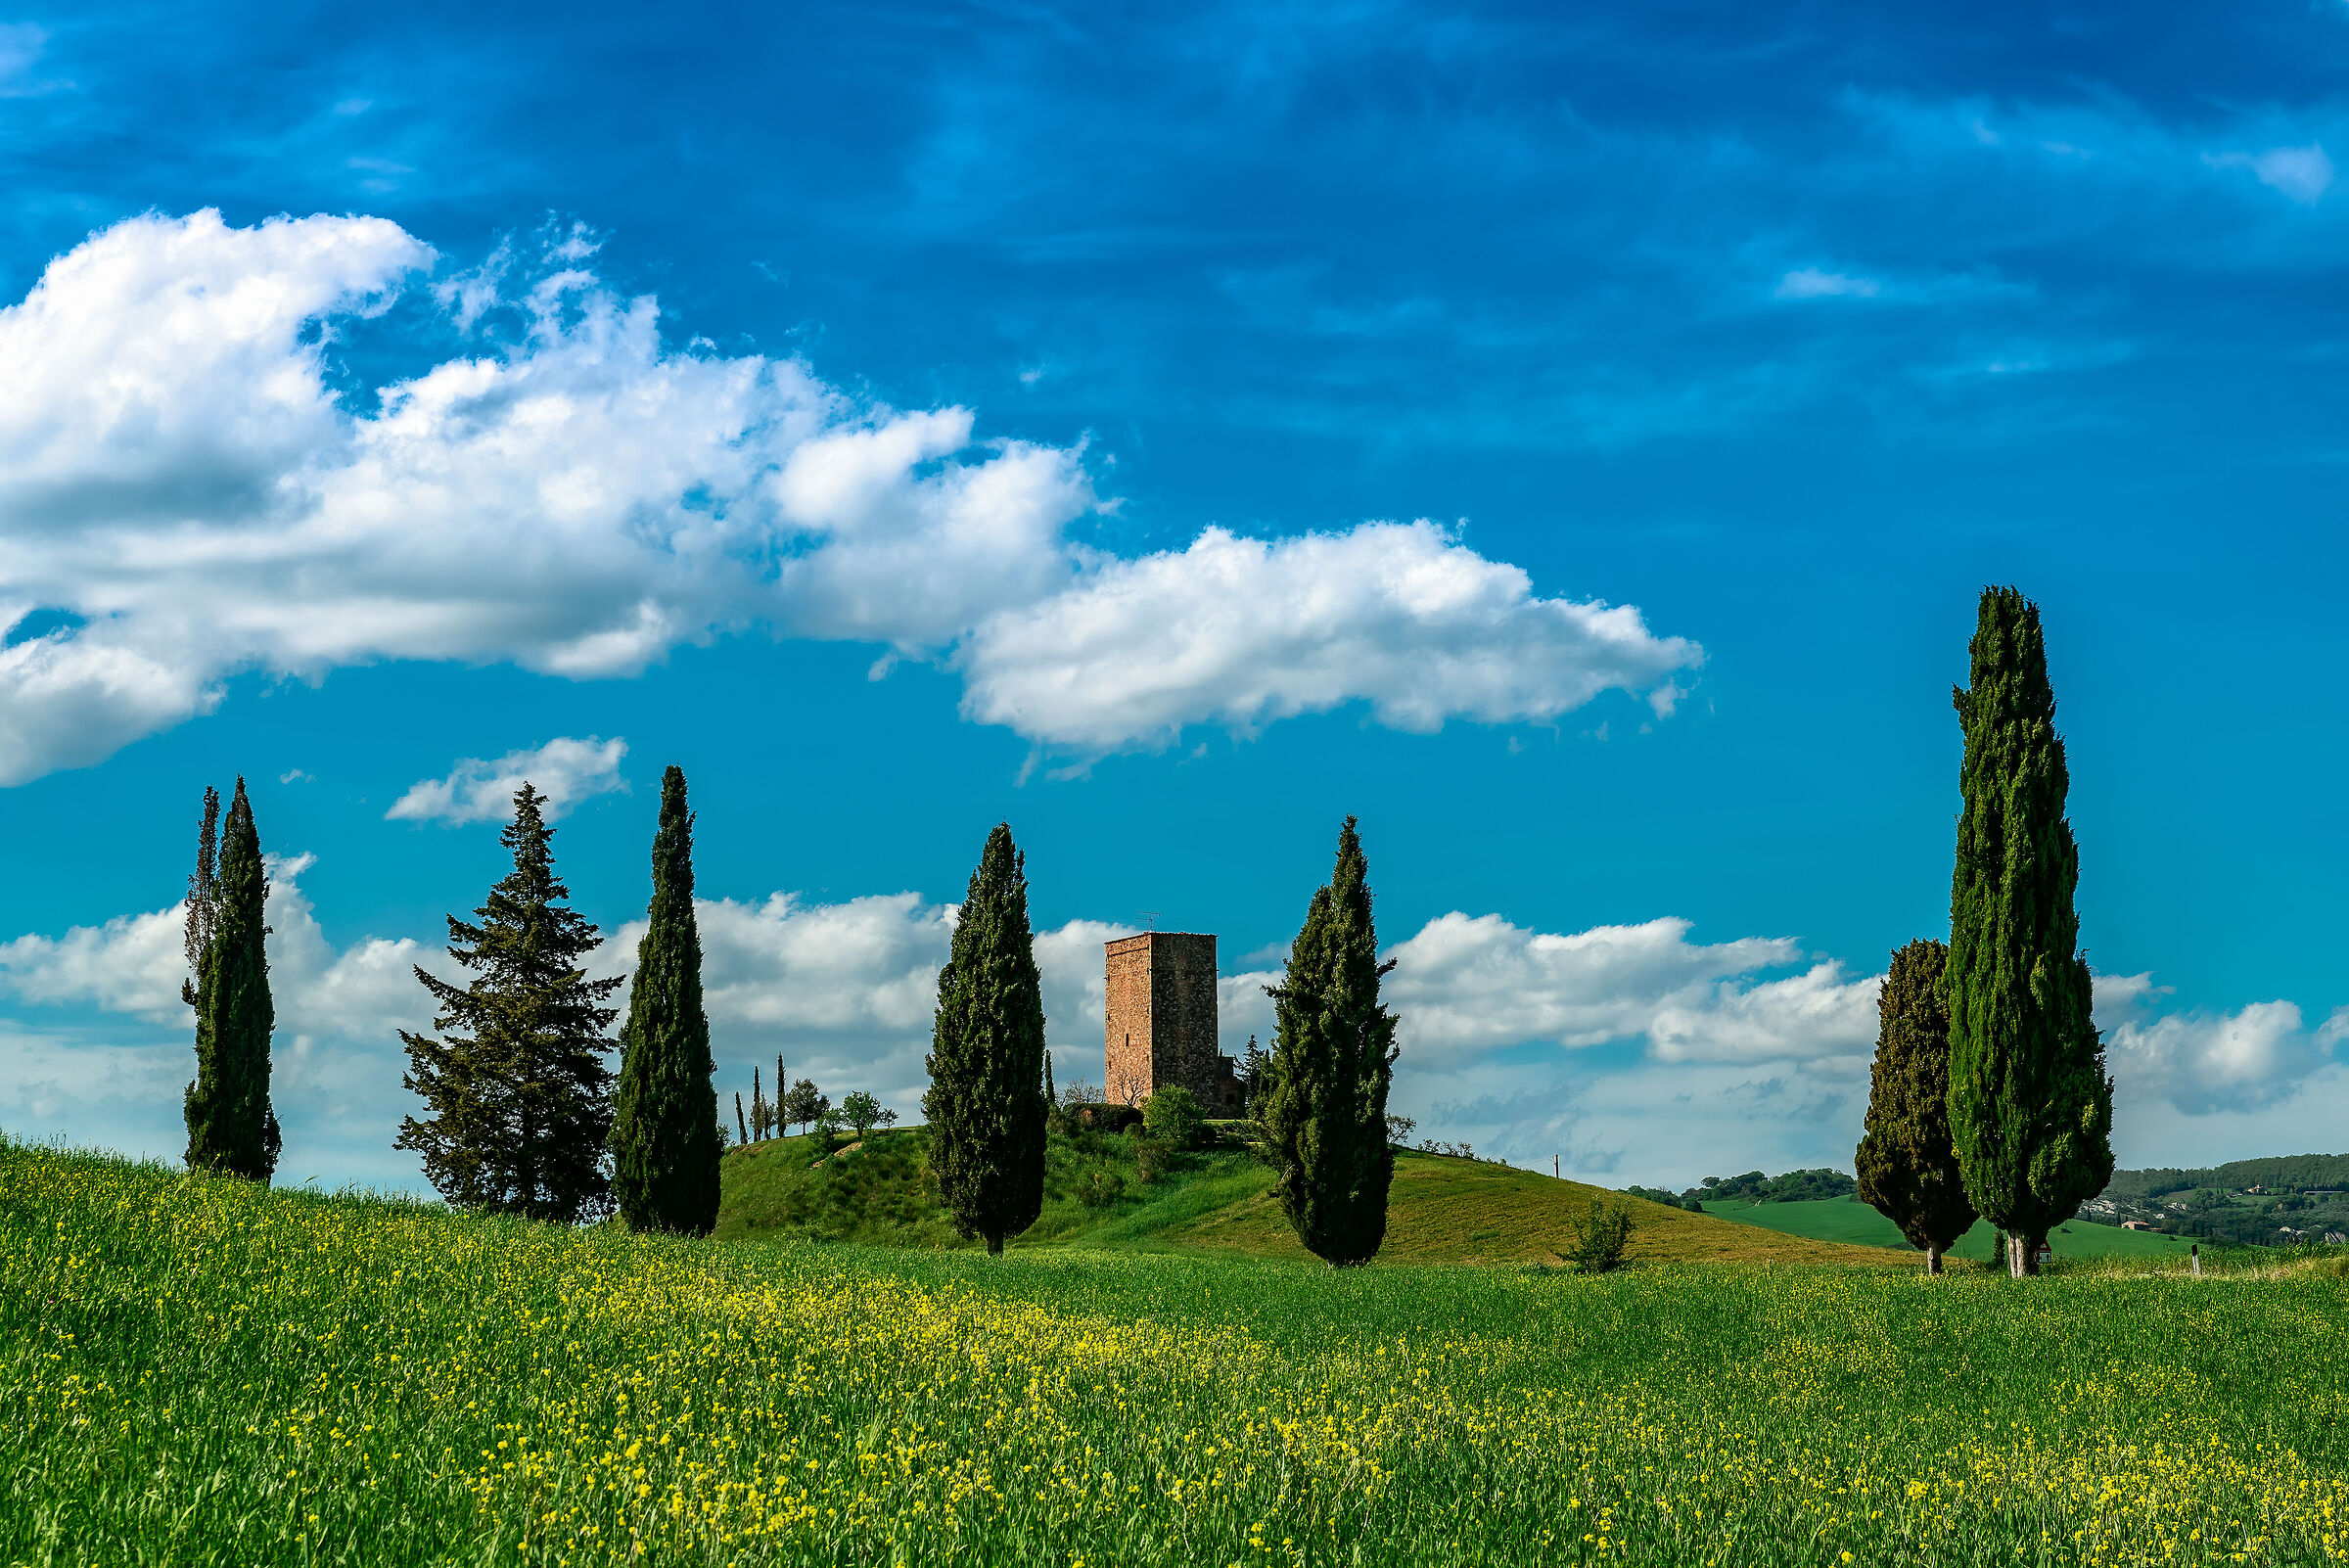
204,1371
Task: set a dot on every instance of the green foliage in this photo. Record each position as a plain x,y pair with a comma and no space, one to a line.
665,1132
1668,1198
1324,1115
863,1112
1173,1116
804,1106
1908,1165
232,1131
518,1096
1100,1186
196,936
2030,1105
1600,1237
986,1104
1255,1077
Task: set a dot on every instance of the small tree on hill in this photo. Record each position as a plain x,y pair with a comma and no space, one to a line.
232,1128
740,1124
665,1132
1324,1115
862,1112
986,1104
2030,1107
804,1106
519,1098
1908,1165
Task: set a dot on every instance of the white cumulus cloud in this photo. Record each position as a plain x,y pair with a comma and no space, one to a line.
2251,1059
1464,985
1240,633
565,770
189,500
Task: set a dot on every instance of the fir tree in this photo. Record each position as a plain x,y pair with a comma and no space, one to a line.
231,1127
1908,1167
1324,1106
987,1057
665,1135
2030,1106
518,1097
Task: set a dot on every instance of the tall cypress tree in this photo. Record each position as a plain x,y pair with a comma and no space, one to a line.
2030,1105
664,1134
986,1103
1325,1108
519,1099
1908,1167
231,1127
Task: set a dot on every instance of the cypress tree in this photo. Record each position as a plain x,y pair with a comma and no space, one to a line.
196,934
986,1103
740,1125
1325,1108
665,1133
2030,1105
1908,1167
231,1127
518,1097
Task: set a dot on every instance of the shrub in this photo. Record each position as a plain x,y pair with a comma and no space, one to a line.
1108,1118
1173,1117
1099,1187
1601,1236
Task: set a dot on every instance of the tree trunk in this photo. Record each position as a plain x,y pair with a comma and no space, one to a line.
1932,1260
2014,1257
995,1246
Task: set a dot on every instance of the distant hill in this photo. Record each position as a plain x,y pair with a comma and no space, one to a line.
2288,1172
1794,1186
1847,1219
1442,1209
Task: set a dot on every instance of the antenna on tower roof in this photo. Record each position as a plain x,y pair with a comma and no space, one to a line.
1149,919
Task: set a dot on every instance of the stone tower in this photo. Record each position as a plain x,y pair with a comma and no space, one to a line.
1162,1020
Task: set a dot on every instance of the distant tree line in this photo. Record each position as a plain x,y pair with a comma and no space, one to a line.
1794,1186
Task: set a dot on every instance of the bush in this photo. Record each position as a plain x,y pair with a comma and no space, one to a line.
1601,1236
1099,1187
1107,1118
1173,1117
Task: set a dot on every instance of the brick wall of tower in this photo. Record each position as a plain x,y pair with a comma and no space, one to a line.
1161,1019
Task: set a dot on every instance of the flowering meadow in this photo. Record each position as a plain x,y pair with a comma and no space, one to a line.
199,1370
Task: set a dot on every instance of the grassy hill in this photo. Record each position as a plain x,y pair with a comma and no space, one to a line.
1841,1220
1442,1209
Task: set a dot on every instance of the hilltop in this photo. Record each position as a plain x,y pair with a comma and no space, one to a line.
1217,1200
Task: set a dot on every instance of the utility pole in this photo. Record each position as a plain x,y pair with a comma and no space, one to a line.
1554,1169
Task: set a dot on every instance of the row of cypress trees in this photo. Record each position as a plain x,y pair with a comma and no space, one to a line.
1988,1095
1321,1111
522,1116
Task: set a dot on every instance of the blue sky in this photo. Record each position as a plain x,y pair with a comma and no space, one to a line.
1572,442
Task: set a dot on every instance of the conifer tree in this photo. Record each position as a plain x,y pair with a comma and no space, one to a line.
987,1057
1324,1106
1908,1167
2030,1105
196,934
232,1128
519,1095
665,1135
740,1125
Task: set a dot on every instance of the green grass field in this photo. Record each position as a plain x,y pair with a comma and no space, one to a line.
1858,1224
202,1371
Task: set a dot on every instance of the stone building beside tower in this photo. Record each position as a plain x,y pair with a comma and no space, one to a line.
1162,1020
